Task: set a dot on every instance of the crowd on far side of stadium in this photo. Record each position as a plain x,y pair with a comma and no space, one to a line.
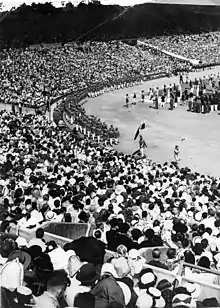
203,47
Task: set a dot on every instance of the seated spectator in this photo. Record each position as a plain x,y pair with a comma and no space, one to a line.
156,253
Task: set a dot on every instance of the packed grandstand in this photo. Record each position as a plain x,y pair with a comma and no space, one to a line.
83,225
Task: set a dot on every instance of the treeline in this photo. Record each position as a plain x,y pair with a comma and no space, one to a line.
43,23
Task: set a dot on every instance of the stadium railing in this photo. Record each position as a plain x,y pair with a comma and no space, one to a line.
207,290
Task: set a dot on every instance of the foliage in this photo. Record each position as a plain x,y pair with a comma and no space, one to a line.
39,23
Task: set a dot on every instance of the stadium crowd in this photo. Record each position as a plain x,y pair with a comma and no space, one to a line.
132,203
31,77
203,47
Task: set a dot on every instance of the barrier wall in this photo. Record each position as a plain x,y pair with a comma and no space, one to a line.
207,290
61,233
147,253
68,230
74,231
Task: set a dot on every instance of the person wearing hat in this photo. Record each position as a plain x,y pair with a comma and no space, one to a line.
147,279
107,289
157,296
144,301
21,242
166,289
85,278
183,300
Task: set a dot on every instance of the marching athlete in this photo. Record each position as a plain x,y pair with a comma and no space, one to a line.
142,96
176,153
127,101
134,99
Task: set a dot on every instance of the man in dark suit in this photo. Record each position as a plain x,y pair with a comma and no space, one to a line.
156,253
112,235
152,240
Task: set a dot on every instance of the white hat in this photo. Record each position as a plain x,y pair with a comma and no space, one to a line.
37,242
168,215
121,216
190,214
28,171
194,289
198,216
154,292
50,215
108,268
21,242
196,240
147,278
120,199
134,254
160,303
144,301
182,300
126,291
24,291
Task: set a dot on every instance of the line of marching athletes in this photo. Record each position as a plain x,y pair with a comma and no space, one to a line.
195,96
158,98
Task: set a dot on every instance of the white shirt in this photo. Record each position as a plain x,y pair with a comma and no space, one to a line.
74,289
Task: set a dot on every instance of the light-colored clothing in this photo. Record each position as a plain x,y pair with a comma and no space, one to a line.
74,289
11,275
58,258
47,300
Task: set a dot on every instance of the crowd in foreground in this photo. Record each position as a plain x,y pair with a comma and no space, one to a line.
203,47
132,204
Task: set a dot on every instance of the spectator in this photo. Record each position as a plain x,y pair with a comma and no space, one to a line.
156,253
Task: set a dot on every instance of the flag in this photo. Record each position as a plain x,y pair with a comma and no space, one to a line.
141,127
137,133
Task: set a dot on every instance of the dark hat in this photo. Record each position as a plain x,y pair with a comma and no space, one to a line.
163,284
87,274
210,302
34,251
24,258
43,262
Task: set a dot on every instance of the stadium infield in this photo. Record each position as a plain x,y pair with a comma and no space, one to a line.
200,151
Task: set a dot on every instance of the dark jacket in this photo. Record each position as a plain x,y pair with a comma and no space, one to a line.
89,249
112,239
159,264
107,290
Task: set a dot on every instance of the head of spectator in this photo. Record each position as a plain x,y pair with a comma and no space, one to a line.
204,262
56,286
156,254
40,233
87,274
147,279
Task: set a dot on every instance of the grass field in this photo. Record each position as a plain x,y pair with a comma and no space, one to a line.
201,149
